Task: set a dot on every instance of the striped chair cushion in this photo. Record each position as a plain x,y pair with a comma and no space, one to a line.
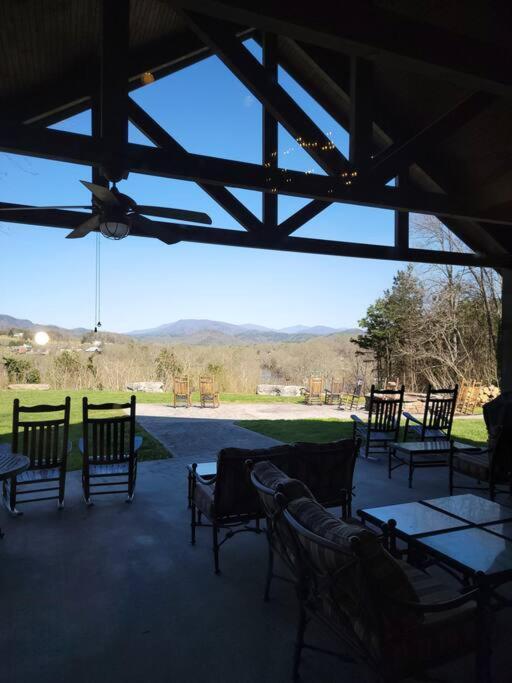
33,476
429,433
105,470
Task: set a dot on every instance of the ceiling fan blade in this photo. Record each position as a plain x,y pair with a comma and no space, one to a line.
146,228
178,214
102,194
85,228
46,208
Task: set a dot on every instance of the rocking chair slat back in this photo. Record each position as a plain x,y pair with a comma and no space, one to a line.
108,440
44,442
385,409
440,409
206,386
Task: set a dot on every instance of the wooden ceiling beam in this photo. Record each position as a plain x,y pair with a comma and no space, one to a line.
269,131
83,149
362,29
272,96
235,238
160,137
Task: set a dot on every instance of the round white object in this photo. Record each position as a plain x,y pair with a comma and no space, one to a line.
41,338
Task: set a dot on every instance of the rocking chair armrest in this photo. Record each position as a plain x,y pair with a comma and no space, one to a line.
206,482
430,607
356,418
411,418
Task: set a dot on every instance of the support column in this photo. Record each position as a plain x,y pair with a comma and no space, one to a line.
361,116
506,331
402,220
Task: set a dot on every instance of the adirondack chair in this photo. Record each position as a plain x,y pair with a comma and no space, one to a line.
335,393
313,394
208,395
45,443
384,413
109,450
437,418
181,392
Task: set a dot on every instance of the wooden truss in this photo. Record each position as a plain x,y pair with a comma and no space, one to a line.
359,179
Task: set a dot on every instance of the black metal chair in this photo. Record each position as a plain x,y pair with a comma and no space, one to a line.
386,615
383,425
437,417
45,443
109,450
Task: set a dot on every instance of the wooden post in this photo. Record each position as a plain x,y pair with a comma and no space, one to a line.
402,219
506,331
269,132
361,119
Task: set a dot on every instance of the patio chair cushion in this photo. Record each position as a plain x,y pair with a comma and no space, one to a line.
440,636
204,498
273,478
474,465
105,469
234,494
327,468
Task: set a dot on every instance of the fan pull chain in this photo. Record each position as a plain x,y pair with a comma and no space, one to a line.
97,301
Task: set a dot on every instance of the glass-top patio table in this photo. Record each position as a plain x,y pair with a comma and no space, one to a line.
465,533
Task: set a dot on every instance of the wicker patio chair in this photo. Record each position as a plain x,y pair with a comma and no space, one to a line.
313,394
109,450
384,413
208,395
182,392
45,443
335,393
437,417
386,615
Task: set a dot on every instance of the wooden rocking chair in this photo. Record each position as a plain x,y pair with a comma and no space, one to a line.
335,393
313,394
109,450
182,392
45,443
208,395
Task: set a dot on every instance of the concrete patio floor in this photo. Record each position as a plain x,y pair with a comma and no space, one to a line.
116,593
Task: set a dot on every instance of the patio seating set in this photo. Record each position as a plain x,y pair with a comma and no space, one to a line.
316,393
372,589
39,452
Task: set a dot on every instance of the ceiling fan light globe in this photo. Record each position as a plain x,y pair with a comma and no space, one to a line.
114,230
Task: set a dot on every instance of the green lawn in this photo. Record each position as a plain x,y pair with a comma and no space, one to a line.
151,448
323,430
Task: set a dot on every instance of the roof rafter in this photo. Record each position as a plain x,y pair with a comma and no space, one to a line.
366,30
273,97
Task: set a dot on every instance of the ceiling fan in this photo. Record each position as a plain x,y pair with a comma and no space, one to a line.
114,214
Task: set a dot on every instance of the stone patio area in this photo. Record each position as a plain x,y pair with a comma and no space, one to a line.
116,593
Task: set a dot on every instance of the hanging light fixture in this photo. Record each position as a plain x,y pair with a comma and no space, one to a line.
114,229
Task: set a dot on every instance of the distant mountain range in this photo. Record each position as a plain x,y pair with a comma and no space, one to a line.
217,332
192,331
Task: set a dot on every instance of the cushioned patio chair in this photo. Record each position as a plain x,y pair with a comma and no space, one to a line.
313,394
492,465
181,392
335,393
383,425
109,450
45,443
437,417
386,615
208,395
228,500
268,480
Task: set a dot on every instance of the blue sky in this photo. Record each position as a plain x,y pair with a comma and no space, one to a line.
145,283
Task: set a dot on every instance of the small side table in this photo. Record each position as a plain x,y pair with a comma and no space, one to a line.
206,470
12,464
